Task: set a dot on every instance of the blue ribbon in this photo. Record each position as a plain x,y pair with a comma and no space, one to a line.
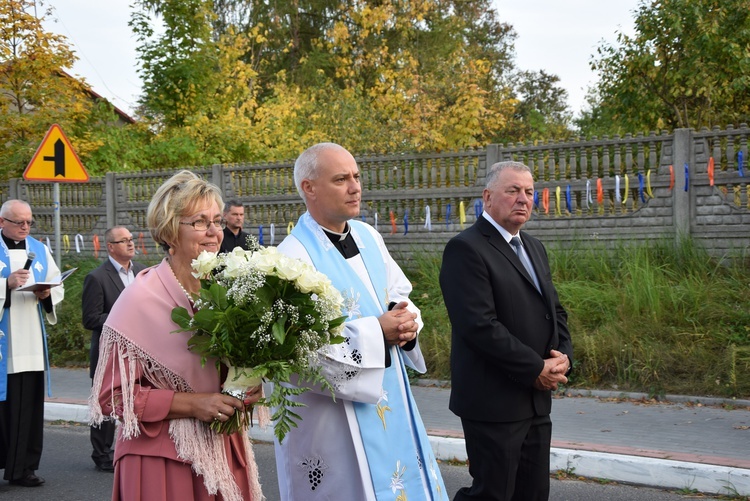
536,199
448,216
478,208
687,176
568,202
640,187
260,234
740,163
406,221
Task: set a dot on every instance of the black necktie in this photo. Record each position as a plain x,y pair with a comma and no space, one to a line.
518,247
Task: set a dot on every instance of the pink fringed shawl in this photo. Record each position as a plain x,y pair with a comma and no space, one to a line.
138,338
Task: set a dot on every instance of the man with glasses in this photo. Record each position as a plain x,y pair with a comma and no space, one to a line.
234,216
101,288
23,342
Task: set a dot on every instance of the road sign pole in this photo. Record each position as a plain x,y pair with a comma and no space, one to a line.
56,194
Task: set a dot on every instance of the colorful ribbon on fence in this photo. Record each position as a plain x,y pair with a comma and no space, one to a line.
478,207
97,245
558,209
545,200
406,221
273,232
711,171
687,176
448,216
627,188
393,223
142,243
260,234
568,200
427,218
641,188
289,227
76,239
599,192
536,199
461,214
648,184
589,200
66,243
49,246
618,197
375,220
740,163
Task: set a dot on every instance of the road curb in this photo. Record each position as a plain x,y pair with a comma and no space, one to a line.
639,470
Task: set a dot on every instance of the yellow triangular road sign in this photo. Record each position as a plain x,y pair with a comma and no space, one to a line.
55,160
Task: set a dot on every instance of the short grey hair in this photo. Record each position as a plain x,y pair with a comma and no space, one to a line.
494,171
306,166
8,206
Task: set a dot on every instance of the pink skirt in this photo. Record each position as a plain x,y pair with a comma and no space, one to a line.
150,478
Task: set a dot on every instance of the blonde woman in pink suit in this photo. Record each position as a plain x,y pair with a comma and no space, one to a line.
160,392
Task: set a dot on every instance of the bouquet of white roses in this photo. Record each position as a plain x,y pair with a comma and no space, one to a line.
264,315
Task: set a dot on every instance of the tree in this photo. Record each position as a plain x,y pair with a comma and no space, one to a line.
542,111
686,66
35,92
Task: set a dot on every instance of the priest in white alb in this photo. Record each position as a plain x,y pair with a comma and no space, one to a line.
370,443
23,342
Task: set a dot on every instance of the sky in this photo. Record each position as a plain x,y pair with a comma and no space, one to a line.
557,36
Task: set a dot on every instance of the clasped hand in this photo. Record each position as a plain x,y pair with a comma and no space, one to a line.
553,372
210,407
399,325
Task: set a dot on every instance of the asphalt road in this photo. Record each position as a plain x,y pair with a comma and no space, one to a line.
71,476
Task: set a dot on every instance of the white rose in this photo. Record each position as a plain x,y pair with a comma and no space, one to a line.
289,269
264,261
204,264
310,281
234,263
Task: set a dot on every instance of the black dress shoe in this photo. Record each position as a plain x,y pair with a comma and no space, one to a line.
107,467
29,480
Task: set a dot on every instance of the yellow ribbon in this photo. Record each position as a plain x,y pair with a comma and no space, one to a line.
461,214
557,201
66,243
289,228
648,184
627,187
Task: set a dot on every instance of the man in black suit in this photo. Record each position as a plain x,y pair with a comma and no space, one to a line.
510,342
101,288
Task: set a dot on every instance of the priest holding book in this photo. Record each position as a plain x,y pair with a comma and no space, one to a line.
23,342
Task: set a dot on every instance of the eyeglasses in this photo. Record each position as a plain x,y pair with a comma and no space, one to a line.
203,224
123,241
30,224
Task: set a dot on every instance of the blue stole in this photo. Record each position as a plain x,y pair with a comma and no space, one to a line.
392,432
37,247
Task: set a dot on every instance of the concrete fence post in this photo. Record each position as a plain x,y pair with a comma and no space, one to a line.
683,163
110,198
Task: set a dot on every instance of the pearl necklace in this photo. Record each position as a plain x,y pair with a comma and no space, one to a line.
187,294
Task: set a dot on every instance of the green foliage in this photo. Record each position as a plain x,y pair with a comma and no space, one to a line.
686,66
654,317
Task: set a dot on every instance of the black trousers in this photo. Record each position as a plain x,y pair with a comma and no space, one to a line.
22,424
102,438
507,461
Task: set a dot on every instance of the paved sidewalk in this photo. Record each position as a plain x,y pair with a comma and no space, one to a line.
685,443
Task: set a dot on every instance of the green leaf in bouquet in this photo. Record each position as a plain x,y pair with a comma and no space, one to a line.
205,320
218,296
278,329
181,317
264,297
